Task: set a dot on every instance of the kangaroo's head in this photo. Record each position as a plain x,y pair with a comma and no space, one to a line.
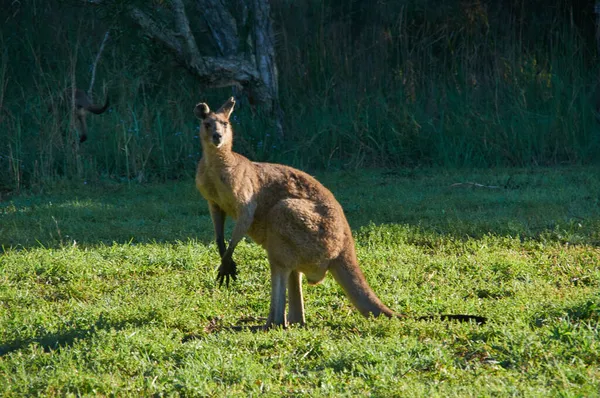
215,130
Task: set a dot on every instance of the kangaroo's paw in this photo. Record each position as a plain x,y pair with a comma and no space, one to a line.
227,271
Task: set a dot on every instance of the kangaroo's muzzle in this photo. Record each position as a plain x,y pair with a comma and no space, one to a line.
217,139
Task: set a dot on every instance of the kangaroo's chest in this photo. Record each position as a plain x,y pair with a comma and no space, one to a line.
217,188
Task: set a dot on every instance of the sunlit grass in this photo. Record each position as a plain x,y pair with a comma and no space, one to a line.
123,301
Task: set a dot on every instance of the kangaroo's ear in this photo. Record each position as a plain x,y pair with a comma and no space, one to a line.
201,110
227,107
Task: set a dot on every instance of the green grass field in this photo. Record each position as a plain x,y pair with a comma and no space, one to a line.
109,290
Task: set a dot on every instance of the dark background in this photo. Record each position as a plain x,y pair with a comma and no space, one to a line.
362,83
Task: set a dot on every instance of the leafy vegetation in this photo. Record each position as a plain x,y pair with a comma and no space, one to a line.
403,83
109,289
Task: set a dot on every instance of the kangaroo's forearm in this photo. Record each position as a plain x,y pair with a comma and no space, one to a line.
218,219
242,225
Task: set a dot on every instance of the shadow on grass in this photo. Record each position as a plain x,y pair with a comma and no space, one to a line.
564,203
92,216
66,338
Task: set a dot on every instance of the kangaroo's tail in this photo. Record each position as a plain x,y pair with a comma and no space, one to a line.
347,273
97,109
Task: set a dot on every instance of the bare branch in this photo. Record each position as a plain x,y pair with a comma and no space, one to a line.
96,63
254,72
226,71
212,71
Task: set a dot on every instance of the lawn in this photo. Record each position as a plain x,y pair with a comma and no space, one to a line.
109,289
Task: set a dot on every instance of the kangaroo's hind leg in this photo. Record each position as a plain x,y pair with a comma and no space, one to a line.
296,301
279,280
299,238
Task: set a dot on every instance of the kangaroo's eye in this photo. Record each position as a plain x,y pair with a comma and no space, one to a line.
207,125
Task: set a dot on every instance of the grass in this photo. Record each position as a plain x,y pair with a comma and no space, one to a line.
109,289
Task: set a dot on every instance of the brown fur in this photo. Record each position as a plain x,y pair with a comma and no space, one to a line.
286,211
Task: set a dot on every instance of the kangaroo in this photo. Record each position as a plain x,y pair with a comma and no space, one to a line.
290,214
81,103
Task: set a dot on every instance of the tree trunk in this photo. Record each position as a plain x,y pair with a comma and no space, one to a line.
254,70
264,56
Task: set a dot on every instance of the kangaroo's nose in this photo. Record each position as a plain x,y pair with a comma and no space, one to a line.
216,138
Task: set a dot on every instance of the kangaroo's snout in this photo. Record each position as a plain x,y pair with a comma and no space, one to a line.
217,139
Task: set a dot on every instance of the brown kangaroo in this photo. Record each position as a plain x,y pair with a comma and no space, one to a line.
290,214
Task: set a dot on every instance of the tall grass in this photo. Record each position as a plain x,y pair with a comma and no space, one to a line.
386,84
462,85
